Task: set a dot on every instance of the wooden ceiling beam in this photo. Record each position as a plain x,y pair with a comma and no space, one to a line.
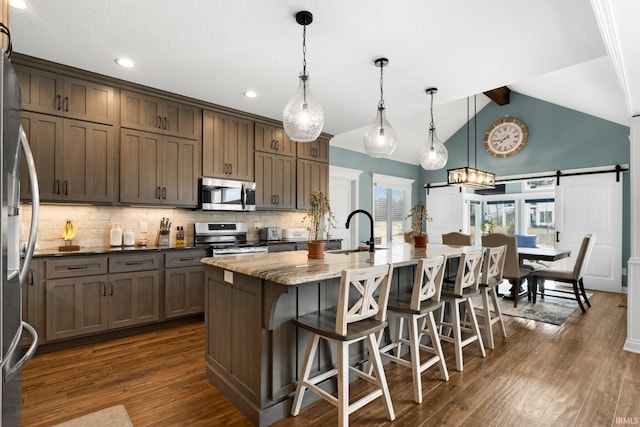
499,95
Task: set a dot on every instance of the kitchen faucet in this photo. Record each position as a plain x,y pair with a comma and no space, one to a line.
371,241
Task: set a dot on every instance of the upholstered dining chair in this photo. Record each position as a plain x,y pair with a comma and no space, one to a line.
361,313
573,276
490,279
417,309
513,271
465,287
456,238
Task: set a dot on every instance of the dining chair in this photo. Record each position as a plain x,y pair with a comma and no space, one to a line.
417,309
456,238
465,287
490,279
513,270
573,276
361,313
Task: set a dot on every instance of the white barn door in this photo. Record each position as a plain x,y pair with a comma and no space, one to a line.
592,204
446,206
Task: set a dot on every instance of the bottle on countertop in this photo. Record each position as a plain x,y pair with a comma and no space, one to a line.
115,235
128,237
180,237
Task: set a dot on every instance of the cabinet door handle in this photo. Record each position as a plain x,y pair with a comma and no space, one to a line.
58,104
30,278
158,193
277,199
57,187
66,187
164,193
65,103
277,145
110,289
557,236
230,169
273,144
164,123
103,285
159,122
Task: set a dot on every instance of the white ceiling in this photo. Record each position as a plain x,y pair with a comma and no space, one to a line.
214,50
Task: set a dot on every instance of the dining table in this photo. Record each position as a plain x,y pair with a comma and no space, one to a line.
535,255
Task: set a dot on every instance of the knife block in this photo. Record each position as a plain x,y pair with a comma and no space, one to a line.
163,238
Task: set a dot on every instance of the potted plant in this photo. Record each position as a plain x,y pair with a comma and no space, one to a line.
488,225
319,219
419,215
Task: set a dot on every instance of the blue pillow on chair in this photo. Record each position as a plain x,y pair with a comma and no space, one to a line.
526,241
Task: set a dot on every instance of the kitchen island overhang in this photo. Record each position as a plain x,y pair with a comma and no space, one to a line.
252,348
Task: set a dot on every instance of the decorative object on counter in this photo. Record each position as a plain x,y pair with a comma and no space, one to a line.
303,117
419,215
380,139
434,154
115,235
179,237
69,233
128,238
142,242
467,176
319,218
164,238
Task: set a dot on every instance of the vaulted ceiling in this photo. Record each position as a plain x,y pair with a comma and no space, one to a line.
215,50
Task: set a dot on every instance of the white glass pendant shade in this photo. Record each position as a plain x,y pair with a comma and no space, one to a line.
434,154
303,117
380,139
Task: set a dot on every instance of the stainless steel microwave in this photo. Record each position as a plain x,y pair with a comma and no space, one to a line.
226,195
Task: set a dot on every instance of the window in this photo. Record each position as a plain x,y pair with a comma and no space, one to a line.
501,215
391,204
539,220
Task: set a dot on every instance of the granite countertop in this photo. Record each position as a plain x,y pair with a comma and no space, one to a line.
108,250
294,268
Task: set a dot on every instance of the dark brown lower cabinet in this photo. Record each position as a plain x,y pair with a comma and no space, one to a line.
183,283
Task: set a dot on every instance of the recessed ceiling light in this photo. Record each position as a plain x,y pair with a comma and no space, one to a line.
250,94
124,62
18,4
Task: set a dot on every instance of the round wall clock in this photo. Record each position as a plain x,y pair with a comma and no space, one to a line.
505,137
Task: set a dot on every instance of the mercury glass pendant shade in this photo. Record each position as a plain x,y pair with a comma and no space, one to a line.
380,139
303,117
434,154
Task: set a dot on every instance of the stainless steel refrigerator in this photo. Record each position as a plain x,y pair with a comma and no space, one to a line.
14,263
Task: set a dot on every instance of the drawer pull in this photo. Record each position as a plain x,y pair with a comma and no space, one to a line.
186,259
135,262
77,267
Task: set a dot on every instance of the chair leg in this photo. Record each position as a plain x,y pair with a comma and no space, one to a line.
488,327
516,291
584,293
474,325
399,332
415,358
534,284
309,355
343,382
577,294
498,311
380,376
437,346
457,333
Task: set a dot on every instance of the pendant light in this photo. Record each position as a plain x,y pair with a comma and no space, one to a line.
434,154
380,139
471,177
303,117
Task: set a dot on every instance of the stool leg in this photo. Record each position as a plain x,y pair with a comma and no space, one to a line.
474,325
498,311
457,333
415,358
312,346
435,343
343,382
380,376
488,327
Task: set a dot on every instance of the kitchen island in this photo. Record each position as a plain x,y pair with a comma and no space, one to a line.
253,350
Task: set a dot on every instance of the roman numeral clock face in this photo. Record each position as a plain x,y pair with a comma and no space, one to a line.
505,137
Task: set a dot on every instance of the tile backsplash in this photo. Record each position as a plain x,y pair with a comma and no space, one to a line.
94,222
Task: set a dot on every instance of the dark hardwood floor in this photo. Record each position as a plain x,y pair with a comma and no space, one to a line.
571,375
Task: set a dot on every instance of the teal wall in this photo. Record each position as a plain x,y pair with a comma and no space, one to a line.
559,138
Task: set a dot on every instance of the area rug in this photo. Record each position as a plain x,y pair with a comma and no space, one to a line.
547,310
114,416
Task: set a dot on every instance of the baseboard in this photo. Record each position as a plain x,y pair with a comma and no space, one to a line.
632,346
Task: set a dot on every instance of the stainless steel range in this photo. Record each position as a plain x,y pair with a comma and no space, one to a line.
226,238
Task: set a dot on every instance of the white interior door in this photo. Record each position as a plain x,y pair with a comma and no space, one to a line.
592,204
446,207
343,193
